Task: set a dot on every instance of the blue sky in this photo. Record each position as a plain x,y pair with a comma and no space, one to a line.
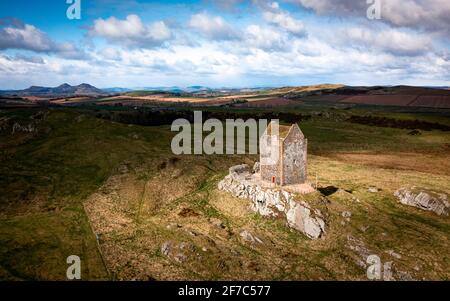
224,43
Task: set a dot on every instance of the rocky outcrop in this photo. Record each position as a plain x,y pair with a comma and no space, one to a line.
425,200
274,202
249,237
306,220
177,251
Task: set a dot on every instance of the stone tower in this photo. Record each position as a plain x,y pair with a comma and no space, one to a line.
283,155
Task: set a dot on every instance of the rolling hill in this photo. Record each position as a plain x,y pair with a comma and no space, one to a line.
63,90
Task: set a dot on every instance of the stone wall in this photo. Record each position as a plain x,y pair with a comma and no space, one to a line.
274,202
294,158
272,170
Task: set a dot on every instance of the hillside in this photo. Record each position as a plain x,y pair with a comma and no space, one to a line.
114,193
64,90
401,96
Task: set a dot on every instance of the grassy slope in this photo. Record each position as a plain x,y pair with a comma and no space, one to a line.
45,180
43,183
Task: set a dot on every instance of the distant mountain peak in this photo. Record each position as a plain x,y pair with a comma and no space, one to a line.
64,90
86,85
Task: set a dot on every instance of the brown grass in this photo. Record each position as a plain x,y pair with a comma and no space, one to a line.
428,163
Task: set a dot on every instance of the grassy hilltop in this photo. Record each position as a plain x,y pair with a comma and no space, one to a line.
113,193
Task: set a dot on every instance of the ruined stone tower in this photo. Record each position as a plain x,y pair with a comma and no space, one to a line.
283,155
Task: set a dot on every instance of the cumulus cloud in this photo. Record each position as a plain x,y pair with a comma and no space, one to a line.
265,38
215,28
270,47
25,58
273,14
388,40
132,31
429,15
14,34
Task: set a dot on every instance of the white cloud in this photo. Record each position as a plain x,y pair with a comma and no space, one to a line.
14,34
132,31
275,15
213,27
265,38
305,61
388,40
271,50
429,15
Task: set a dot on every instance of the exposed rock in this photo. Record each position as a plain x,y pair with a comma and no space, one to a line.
425,200
192,233
304,219
360,249
355,199
394,254
373,189
166,248
256,167
177,251
247,236
239,169
347,215
274,202
217,222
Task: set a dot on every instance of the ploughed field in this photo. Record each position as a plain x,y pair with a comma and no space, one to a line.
73,182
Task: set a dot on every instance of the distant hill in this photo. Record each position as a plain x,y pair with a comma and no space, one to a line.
409,96
117,90
64,90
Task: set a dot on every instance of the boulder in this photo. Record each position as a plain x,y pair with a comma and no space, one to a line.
239,169
306,220
425,200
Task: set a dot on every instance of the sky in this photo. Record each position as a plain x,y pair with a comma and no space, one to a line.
224,43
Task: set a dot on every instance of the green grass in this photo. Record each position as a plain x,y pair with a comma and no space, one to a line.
46,177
